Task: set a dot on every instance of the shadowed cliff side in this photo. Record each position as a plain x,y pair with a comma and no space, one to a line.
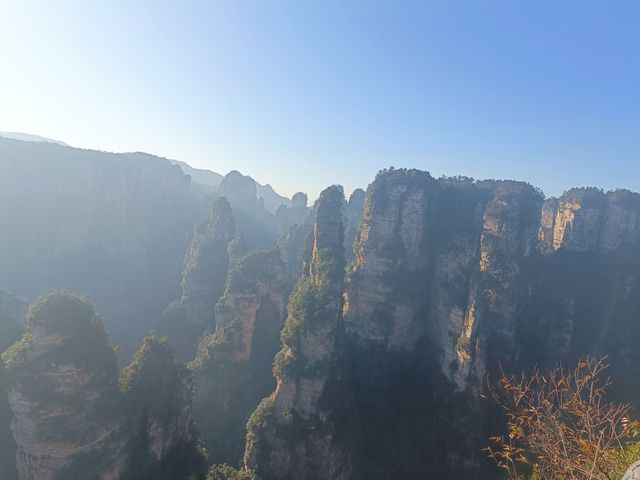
206,266
163,443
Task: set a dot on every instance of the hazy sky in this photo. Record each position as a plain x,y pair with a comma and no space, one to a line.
302,94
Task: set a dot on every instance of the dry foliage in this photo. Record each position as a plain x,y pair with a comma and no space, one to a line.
561,427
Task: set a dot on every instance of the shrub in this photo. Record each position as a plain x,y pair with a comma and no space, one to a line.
559,426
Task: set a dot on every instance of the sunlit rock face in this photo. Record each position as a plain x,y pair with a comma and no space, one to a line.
291,434
233,364
586,220
63,393
391,247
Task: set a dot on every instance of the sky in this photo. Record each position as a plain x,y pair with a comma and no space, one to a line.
304,94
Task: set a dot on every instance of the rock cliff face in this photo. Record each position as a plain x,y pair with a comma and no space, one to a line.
587,220
451,278
292,435
584,287
233,363
69,418
162,443
295,247
353,214
63,392
206,265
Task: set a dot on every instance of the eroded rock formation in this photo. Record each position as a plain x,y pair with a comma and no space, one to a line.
451,278
232,367
162,443
69,417
213,249
64,396
291,435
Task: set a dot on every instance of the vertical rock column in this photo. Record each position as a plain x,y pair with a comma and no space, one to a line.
291,435
213,249
63,392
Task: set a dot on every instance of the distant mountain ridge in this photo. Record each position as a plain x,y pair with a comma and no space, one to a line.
27,137
206,178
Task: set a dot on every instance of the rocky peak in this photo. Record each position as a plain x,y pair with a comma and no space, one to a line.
355,206
239,188
327,255
295,247
587,220
62,384
578,221
304,365
391,245
213,249
299,200
353,213
158,394
622,223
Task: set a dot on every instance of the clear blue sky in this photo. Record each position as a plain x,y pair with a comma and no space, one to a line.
302,94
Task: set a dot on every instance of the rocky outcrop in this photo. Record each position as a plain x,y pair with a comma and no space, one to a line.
251,215
508,225
586,220
213,249
63,393
451,278
291,435
232,367
162,440
207,263
287,217
353,214
391,248
295,247
434,302
70,419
